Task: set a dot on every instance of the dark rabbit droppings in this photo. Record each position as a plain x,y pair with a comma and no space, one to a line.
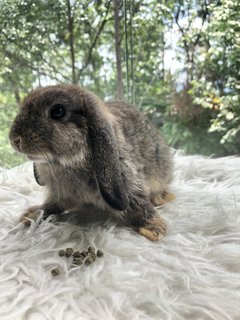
55,272
99,253
93,255
91,250
77,261
84,253
77,254
68,252
85,257
88,261
61,253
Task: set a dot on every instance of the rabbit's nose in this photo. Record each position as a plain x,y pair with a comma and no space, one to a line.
17,142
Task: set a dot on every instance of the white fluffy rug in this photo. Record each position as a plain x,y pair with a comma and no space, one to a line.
194,273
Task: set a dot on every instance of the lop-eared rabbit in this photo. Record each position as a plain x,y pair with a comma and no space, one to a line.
86,151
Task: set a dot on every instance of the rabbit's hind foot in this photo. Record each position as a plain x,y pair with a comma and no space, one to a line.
162,198
154,229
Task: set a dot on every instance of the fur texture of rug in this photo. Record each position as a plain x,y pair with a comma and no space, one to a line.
193,273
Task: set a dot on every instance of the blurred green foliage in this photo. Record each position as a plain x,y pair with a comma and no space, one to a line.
185,55
8,110
219,88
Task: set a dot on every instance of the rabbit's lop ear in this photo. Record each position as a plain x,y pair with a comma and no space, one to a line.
37,176
106,156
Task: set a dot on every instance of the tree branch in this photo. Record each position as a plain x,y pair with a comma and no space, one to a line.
25,63
186,46
57,54
205,13
93,44
71,42
54,69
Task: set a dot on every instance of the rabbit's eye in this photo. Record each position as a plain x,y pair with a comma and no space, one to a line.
57,112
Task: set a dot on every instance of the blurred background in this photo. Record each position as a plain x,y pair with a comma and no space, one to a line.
177,61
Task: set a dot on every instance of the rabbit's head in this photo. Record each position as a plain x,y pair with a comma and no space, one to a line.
66,124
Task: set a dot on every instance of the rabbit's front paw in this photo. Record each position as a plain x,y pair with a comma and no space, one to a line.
31,214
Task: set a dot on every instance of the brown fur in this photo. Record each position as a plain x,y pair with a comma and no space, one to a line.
162,198
154,229
104,154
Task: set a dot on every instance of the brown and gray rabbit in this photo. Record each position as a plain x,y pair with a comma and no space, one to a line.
86,151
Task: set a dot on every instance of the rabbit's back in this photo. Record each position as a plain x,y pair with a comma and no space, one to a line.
148,151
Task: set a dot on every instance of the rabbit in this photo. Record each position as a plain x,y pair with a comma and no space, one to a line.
86,151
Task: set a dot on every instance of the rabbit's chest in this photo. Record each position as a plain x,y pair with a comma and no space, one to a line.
76,189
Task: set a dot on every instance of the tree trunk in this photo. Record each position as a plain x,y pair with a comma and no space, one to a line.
71,40
120,94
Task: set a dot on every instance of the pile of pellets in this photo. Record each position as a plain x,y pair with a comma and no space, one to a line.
85,257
